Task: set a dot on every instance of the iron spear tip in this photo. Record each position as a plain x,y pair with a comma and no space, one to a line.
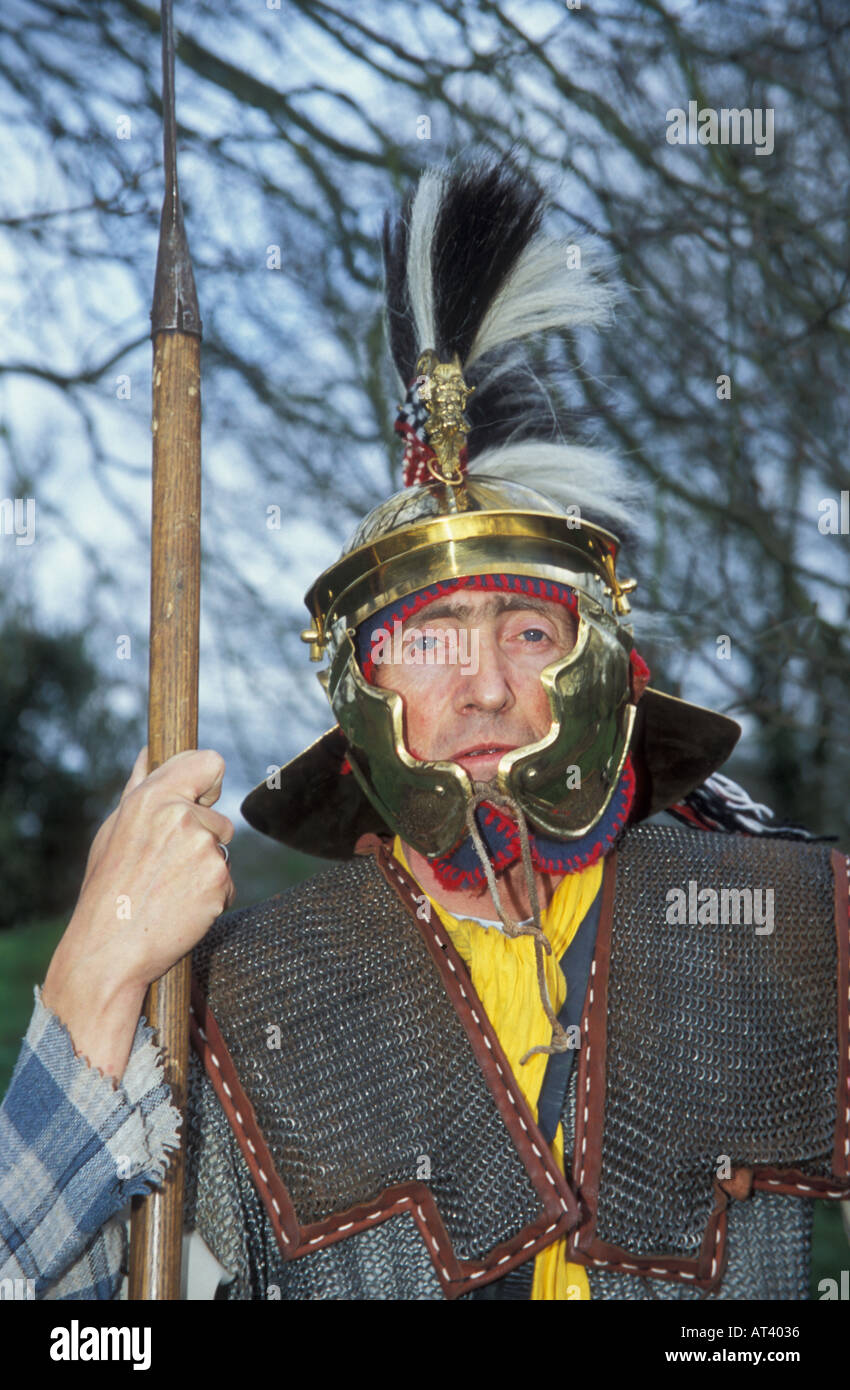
175,299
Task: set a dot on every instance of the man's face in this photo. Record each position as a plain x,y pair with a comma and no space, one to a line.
471,688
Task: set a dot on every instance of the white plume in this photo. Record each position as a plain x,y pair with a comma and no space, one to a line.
420,281
543,292
568,475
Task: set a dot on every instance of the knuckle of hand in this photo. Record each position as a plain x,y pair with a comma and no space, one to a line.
213,762
147,794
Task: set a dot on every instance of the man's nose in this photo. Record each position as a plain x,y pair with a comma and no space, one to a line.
484,684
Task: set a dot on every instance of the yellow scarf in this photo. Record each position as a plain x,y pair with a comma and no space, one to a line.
503,971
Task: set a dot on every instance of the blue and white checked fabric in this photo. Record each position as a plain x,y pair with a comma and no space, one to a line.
74,1148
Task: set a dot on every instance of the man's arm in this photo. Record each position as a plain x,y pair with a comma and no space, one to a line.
74,1148
87,1122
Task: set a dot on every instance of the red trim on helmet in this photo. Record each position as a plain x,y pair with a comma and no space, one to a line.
640,674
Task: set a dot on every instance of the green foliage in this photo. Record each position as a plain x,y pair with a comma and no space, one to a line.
24,957
261,868
830,1252
60,745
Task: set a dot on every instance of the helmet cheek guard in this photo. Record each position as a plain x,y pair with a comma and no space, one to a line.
565,782
424,802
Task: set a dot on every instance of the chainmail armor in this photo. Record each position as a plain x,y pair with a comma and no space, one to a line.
373,1072
686,1082
769,1244
374,1077
769,1236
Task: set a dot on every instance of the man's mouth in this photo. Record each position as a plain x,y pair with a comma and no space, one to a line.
482,749
480,754
476,755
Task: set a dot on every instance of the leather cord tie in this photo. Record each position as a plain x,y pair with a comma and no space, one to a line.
483,791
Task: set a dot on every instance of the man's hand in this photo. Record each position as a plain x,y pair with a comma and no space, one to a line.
155,882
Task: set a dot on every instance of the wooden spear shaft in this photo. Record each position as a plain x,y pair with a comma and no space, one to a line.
157,1223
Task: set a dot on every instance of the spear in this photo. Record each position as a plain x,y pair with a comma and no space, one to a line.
157,1222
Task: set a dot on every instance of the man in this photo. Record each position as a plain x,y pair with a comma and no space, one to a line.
515,1043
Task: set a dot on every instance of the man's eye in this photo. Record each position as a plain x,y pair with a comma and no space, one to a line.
534,633
425,642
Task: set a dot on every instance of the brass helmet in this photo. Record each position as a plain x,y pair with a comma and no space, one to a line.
492,490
